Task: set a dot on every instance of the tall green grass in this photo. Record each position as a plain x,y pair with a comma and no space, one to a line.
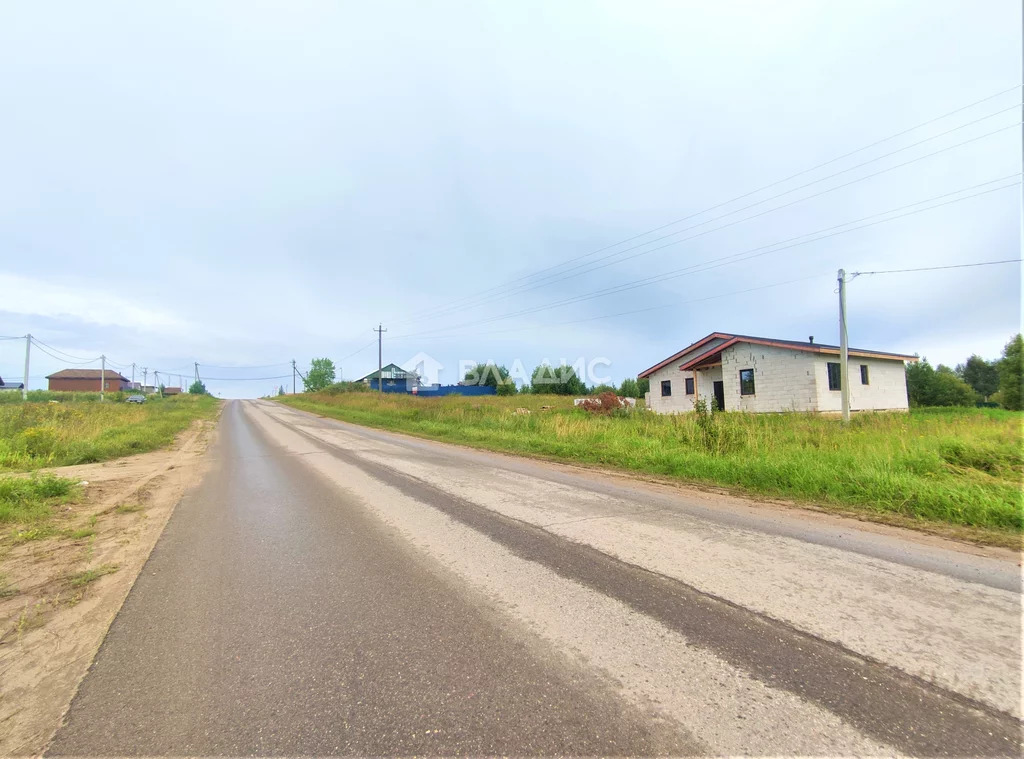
957,466
81,430
31,499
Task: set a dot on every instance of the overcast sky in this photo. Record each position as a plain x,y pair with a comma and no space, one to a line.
243,183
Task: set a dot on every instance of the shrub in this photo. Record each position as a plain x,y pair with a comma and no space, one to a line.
605,403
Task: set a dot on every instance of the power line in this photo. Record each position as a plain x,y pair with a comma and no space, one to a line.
356,352
240,379
260,366
936,268
434,311
735,257
64,360
674,304
562,276
71,358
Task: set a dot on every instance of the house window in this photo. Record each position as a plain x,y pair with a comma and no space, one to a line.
746,381
666,388
864,374
689,385
834,376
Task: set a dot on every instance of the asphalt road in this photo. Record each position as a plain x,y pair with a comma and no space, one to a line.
333,590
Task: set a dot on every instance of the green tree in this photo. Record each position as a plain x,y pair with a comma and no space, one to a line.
928,386
598,389
549,380
630,388
980,374
197,388
634,388
491,375
1011,374
320,375
280,390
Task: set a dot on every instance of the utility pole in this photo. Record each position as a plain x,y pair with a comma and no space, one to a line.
293,376
380,356
156,382
145,378
844,350
28,349
103,374
197,371
133,375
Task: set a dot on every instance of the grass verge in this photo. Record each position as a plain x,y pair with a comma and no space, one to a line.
26,500
42,433
960,467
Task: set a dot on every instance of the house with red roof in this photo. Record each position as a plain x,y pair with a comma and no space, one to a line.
760,374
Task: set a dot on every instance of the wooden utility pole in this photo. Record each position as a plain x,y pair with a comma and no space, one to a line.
103,373
380,356
844,350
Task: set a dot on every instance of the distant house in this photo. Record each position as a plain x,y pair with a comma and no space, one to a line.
172,391
745,373
11,385
87,381
396,379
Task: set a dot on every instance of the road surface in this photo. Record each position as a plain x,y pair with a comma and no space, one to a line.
331,590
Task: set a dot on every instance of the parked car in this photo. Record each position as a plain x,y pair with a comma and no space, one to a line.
135,399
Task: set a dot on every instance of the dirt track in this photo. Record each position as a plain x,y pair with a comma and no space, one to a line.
51,628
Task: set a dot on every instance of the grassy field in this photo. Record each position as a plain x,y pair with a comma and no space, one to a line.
79,430
950,466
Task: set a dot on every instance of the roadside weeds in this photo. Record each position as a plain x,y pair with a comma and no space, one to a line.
64,578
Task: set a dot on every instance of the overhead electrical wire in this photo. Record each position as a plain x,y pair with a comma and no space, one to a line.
503,286
64,360
356,352
735,257
562,276
243,379
71,358
674,304
259,366
937,268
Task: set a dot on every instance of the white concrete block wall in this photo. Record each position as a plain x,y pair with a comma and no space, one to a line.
784,379
886,389
679,401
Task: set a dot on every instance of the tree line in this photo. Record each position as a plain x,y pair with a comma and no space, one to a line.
545,380
976,381
550,380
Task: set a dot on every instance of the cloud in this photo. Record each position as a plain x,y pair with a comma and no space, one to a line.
36,297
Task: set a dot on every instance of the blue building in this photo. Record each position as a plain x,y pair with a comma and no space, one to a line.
398,380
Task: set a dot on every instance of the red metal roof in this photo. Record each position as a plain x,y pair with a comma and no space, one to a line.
86,374
683,352
794,344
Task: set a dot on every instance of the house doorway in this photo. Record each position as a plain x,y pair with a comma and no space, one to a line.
720,395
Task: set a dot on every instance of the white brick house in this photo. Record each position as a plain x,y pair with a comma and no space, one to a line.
744,373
